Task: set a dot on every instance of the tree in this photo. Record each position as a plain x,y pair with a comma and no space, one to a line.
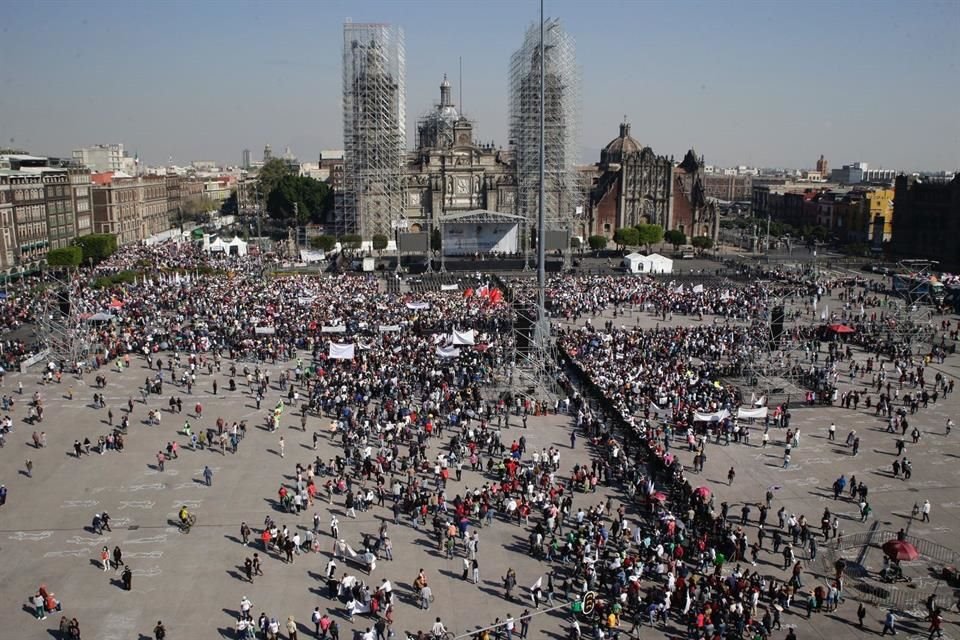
297,200
626,237
324,243
379,242
351,242
648,234
702,242
270,174
597,243
65,257
98,246
675,237
229,206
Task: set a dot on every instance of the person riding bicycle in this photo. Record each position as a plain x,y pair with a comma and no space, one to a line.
184,515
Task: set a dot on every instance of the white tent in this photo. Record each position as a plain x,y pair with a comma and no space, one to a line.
659,264
634,262
653,263
236,247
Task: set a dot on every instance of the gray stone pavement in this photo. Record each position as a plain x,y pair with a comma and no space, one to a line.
193,582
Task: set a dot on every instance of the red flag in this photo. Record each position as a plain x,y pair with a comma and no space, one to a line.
496,296
468,292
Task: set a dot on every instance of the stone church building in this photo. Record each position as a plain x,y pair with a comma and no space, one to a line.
632,185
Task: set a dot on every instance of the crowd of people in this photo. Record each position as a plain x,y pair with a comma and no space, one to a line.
410,412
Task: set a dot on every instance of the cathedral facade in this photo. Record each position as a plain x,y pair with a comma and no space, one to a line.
632,185
451,172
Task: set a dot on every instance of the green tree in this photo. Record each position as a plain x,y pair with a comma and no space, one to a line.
379,242
98,246
65,257
270,174
229,206
702,242
351,242
649,234
297,200
597,243
626,237
675,237
324,243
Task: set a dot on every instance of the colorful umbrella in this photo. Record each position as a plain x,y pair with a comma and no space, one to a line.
841,328
703,492
900,550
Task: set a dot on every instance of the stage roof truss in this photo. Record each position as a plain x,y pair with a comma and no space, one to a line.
481,216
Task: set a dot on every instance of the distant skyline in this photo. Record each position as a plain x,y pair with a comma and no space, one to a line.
760,84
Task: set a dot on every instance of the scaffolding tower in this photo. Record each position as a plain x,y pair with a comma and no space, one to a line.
61,329
374,129
562,186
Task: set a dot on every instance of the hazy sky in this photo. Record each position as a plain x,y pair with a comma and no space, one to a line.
757,83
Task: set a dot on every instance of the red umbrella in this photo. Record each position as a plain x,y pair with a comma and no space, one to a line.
841,328
703,492
659,496
900,550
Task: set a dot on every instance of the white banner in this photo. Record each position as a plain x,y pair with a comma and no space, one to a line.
711,417
389,328
698,288
657,411
418,306
337,329
448,352
449,287
463,337
341,351
743,412
265,331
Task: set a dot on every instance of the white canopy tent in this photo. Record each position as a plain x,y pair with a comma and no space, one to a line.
653,263
234,247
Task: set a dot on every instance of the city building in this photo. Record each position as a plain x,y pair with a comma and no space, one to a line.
105,157
58,197
132,209
691,211
926,219
374,130
731,188
25,237
823,168
267,153
81,194
245,159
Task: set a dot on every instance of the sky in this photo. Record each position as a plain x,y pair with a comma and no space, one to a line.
770,84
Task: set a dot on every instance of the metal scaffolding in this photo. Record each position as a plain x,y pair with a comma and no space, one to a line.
61,328
562,186
374,129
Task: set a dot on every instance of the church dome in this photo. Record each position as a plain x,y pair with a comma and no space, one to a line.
621,145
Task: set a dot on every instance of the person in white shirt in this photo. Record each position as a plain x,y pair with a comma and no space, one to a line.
437,630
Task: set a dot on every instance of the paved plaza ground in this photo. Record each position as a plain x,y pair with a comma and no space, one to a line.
194,582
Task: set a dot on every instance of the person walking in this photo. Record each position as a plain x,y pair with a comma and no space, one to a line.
159,631
282,446
731,475
29,467
208,475
861,614
925,511
936,622
127,578
291,628
889,623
